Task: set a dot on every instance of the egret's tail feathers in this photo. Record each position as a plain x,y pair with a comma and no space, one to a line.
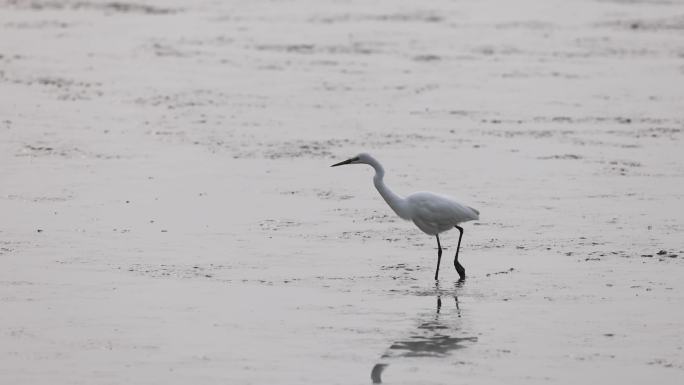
477,213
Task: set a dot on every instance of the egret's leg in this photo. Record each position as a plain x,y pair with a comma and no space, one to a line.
439,257
459,268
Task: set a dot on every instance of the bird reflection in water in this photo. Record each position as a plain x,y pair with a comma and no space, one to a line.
431,339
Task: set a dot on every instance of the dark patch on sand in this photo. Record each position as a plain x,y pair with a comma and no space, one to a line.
114,6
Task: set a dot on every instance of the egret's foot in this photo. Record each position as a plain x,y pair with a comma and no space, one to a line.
376,373
460,269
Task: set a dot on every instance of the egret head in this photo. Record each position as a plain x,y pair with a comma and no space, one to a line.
362,158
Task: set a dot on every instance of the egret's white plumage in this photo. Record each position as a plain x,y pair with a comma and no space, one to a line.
432,213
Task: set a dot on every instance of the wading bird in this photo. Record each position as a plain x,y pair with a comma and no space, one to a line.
432,213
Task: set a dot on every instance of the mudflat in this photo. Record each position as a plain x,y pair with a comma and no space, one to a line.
169,215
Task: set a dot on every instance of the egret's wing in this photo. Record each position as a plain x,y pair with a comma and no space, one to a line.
440,212
477,212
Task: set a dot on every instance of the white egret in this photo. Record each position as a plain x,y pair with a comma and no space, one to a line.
432,213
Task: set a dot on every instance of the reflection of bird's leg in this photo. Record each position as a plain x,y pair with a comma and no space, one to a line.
439,303
458,309
459,268
439,257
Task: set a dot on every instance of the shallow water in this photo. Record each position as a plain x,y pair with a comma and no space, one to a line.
169,214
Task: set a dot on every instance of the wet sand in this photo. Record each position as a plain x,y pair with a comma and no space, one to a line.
169,216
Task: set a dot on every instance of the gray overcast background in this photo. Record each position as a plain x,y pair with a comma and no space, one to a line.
168,214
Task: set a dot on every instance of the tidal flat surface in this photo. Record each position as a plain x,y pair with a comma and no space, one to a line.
169,215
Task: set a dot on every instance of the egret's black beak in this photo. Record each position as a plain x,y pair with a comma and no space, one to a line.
348,161
342,163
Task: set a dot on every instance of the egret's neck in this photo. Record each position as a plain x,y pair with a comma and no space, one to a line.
395,201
